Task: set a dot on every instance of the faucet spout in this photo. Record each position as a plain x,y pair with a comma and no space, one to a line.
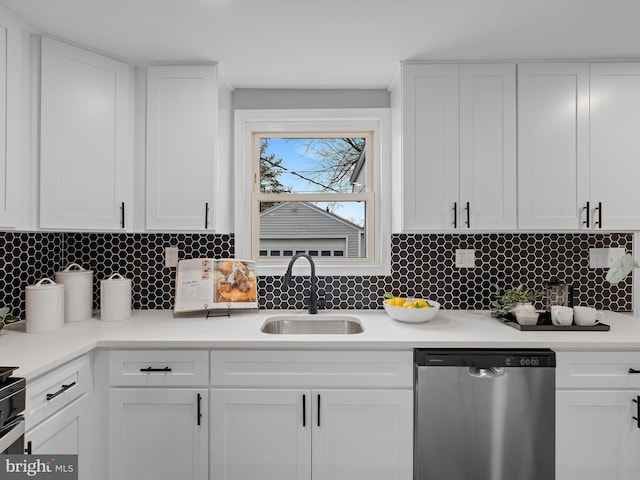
313,287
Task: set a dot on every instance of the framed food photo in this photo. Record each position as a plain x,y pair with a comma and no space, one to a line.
215,284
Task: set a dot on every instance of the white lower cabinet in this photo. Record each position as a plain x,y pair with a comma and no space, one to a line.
158,415
158,434
597,411
597,436
59,414
67,432
262,434
274,424
362,434
311,434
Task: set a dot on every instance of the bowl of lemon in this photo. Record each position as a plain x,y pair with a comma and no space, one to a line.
410,310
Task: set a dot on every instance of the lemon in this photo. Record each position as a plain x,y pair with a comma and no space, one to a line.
409,305
422,303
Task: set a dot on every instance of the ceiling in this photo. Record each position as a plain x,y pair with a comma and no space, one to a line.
336,43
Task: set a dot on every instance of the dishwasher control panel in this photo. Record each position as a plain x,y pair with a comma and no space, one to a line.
485,358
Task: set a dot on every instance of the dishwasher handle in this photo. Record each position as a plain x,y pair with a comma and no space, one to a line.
489,372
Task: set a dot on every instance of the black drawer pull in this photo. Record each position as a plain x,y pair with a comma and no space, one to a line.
599,209
151,369
62,390
455,214
199,412
29,448
637,418
468,209
633,370
587,209
304,410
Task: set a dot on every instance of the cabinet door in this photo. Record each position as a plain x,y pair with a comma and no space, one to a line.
156,434
260,434
615,144
68,432
488,146
553,145
181,106
10,121
596,435
362,435
85,145
430,147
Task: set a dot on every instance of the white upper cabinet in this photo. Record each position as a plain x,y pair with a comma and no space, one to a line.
553,145
615,145
11,82
86,149
458,147
488,146
430,146
578,150
181,147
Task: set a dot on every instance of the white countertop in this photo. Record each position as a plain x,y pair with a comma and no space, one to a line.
37,353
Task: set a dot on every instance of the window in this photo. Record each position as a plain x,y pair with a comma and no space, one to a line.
313,190
314,181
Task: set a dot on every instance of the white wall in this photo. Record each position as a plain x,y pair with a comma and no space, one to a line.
270,98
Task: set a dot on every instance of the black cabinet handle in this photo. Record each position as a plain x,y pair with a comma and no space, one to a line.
587,210
62,390
304,410
318,409
599,209
455,214
199,412
206,215
633,370
122,215
28,450
468,209
151,369
637,417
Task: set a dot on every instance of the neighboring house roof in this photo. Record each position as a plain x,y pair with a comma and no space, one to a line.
313,210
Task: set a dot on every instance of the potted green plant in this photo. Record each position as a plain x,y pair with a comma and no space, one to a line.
517,298
5,318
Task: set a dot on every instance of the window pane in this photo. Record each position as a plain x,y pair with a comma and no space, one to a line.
312,165
313,227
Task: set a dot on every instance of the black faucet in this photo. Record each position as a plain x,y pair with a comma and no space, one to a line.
313,295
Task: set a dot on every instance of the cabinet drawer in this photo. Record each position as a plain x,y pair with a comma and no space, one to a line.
49,393
311,368
153,368
598,369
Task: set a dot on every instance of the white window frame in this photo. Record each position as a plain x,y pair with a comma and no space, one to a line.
377,120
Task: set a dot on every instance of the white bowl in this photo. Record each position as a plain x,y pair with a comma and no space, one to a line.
413,315
527,318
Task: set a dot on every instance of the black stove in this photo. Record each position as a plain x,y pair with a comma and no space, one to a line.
12,404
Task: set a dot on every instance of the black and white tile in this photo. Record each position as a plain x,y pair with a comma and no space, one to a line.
422,265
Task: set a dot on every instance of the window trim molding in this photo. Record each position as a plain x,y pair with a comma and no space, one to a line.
377,120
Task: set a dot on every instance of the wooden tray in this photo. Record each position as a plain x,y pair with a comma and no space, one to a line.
545,325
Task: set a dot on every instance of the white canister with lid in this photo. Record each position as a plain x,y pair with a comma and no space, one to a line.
78,292
115,298
44,310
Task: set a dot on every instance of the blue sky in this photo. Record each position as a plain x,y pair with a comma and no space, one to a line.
292,153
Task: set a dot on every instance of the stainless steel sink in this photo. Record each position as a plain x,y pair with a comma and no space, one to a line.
312,325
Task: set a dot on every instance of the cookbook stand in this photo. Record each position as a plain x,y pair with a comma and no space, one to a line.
218,312
208,312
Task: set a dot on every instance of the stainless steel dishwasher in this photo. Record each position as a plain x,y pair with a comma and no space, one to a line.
484,414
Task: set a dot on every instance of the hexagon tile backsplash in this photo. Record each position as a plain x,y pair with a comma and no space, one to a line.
422,264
